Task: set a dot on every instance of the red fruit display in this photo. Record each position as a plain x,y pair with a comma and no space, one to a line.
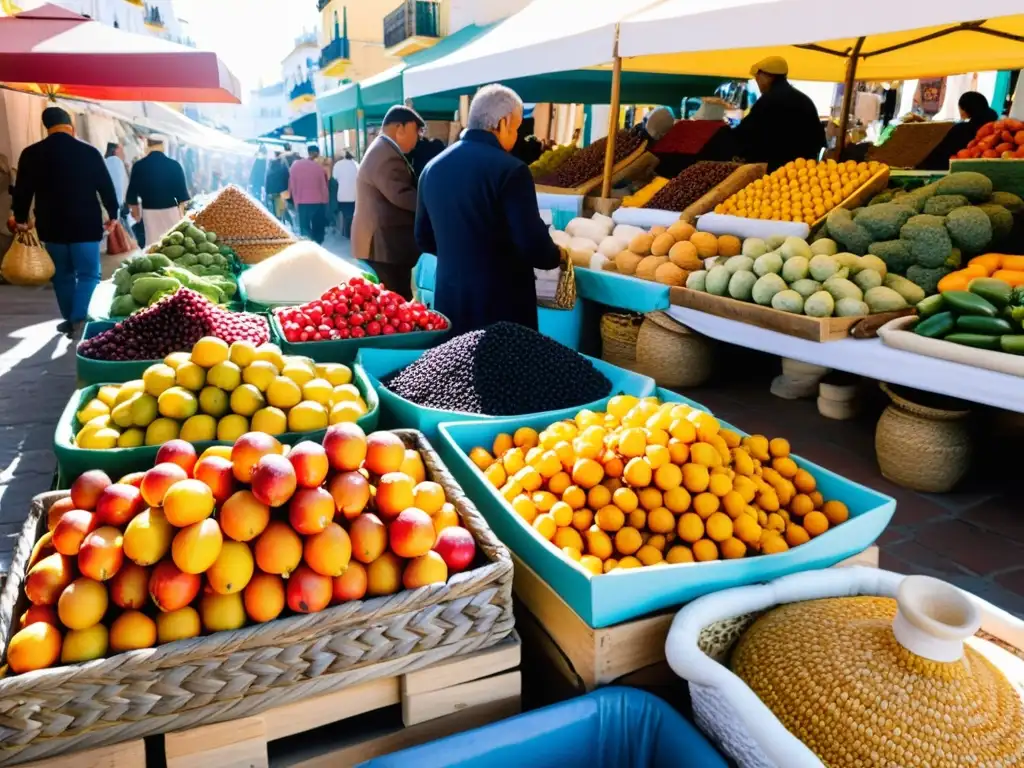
457,548
1002,138
118,503
178,452
86,490
354,310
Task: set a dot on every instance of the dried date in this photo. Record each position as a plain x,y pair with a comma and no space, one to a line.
691,185
588,163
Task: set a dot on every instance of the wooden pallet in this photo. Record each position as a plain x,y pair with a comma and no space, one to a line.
590,657
456,695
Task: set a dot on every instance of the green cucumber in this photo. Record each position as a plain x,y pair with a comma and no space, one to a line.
936,326
1013,344
989,326
969,304
977,340
994,291
930,306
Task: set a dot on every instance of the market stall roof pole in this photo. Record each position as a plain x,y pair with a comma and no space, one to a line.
851,79
613,119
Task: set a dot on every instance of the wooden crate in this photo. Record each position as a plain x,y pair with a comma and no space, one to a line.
861,196
436,701
722,191
590,657
619,171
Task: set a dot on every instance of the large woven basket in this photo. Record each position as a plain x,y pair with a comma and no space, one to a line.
230,675
619,331
922,447
672,354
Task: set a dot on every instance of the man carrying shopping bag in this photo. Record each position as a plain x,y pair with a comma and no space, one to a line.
67,179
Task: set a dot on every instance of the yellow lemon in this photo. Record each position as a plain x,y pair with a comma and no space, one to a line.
107,394
297,373
190,376
92,409
225,375
246,400
214,401
144,410
131,438
161,431
209,351
344,392
270,353
307,416
347,411
94,438
158,378
284,392
199,428
232,427
336,373
129,390
177,358
242,353
177,403
319,391
259,373
270,420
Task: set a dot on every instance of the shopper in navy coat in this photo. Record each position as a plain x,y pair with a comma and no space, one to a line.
478,213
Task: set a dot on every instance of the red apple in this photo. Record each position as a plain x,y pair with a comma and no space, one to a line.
457,547
178,452
273,480
310,462
218,474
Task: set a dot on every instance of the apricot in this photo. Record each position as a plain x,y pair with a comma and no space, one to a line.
243,517
102,553
384,575
131,631
351,493
129,588
310,510
395,493
86,489
446,518
171,588
84,644
412,534
188,502
345,446
264,597
278,549
351,585
148,537
157,480
309,591
180,452
196,547
385,452
248,450
216,472
413,466
328,552
369,537
82,604
43,548
232,569
429,568
132,478
118,504
222,613
310,462
37,646
72,529
178,625
48,578
57,510
44,613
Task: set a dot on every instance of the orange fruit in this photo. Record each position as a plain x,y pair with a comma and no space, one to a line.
82,604
704,551
776,522
529,478
637,473
197,547
680,553
329,552
481,458
696,477
568,537
774,544
677,500
592,564
785,466
610,518
178,625
796,535
768,500
278,549
629,562
649,555
719,527
428,496
243,517
650,498
719,484
778,447
525,508
637,519
448,517
37,646
661,520
658,541
84,644
496,475
804,481
836,512
668,476
502,443
599,543
733,504
817,498
815,523
572,553
627,540
187,502
690,527
598,496
582,519
562,514
545,526
705,504
264,597
801,505
395,494
625,499
678,451
131,631
732,549
587,473
574,496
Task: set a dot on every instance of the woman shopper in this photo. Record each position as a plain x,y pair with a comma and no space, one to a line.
975,112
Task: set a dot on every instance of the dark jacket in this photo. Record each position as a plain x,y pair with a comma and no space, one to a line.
478,213
64,176
781,126
257,176
382,228
277,177
959,136
158,182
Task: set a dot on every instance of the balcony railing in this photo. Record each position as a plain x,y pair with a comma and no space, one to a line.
321,4
302,90
413,18
153,18
336,50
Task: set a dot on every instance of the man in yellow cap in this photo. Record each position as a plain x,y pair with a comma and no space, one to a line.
783,124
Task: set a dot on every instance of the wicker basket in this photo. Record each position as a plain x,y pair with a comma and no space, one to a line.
922,448
619,331
672,354
230,675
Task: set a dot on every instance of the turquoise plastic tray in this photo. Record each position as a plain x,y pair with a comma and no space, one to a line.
346,350
399,412
621,291
117,462
620,596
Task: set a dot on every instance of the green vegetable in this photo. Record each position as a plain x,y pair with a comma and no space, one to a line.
931,306
928,240
850,307
161,294
696,280
174,252
226,251
970,229
806,287
867,279
122,279
187,260
941,205
882,197
994,291
182,225
741,285
894,253
990,326
139,264
796,268
1001,220
825,247
190,245
788,301
976,187
884,299
820,304
766,287
159,260
884,221
823,267
176,238
927,278
848,233
1007,200
974,340
795,246
144,288
841,288
211,237
717,281
205,259
956,257
122,306
774,242
936,326
968,303
754,247
1013,344
768,263
909,290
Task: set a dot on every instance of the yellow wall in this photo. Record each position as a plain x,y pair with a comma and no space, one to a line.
365,18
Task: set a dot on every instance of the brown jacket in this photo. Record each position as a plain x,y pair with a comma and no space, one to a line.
382,228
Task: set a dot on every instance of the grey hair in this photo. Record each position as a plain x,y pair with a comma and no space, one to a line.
490,104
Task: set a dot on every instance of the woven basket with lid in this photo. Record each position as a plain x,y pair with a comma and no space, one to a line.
853,667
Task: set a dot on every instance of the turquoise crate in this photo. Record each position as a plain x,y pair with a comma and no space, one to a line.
620,596
117,462
621,291
89,371
346,350
399,412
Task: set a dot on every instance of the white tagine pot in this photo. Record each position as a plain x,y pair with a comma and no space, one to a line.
854,667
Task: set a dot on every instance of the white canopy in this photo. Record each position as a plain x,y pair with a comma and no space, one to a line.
546,36
904,38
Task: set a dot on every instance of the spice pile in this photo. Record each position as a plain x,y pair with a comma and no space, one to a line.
503,370
587,163
691,185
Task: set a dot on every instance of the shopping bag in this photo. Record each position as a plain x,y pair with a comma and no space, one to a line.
26,261
119,241
565,292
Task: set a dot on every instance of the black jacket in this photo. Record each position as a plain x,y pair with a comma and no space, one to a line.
257,176
781,126
959,136
64,176
477,212
159,182
277,177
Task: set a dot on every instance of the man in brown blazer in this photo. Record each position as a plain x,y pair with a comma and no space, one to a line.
382,228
